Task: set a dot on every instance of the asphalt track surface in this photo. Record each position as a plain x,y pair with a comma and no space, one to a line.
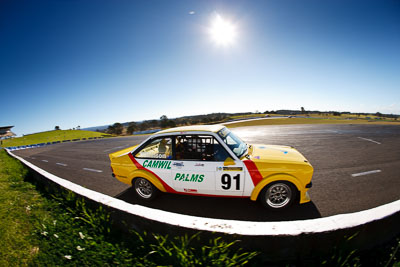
356,167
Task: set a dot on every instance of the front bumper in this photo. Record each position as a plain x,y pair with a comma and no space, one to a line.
305,197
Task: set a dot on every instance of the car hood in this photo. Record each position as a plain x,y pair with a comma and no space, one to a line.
121,152
275,153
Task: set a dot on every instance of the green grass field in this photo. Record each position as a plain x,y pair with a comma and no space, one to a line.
311,120
20,205
51,136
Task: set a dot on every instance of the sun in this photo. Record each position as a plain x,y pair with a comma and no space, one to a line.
222,32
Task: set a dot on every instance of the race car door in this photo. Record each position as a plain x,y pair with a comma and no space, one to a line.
156,156
199,167
229,178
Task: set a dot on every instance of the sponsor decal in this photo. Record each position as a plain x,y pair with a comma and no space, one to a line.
199,165
189,177
257,157
178,164
152,155
158,164
219,168
233,169
283,151
190,190
140,167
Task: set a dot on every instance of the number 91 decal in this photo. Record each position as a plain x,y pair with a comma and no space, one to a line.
230,183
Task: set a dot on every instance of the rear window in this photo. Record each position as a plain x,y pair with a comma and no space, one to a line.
159,148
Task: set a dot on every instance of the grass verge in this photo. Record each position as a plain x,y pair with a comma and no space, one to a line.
42,229
52,136
20,206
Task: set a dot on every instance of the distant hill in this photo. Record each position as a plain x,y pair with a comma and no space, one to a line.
96,128
104,127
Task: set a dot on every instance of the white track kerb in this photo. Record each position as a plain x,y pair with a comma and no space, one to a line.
246,228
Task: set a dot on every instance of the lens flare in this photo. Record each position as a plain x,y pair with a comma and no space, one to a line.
222,32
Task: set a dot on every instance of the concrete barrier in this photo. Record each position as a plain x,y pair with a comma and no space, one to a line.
287,240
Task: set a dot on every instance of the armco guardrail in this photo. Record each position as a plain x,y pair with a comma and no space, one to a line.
276,240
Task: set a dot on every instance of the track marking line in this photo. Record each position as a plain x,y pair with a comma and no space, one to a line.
333,131
44,160
61,164
370,140
92,170
365,173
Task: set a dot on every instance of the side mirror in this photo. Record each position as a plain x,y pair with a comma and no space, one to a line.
229,161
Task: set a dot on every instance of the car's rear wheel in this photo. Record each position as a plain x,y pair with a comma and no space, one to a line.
278,195
144,189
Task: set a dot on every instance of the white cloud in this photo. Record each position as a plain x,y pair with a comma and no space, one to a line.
393,108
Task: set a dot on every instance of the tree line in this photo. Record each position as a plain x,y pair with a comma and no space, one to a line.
164,122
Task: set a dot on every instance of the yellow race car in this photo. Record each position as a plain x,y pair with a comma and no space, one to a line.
210,160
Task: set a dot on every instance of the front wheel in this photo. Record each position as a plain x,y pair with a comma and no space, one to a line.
278,195
144,189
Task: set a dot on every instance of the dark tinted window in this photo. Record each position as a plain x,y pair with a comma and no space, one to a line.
199,147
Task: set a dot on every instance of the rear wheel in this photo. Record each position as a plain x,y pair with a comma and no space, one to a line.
144,189
278,195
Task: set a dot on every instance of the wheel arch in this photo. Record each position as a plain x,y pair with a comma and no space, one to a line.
149,176
282,177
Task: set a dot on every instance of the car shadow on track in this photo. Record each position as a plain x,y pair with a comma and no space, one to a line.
223,208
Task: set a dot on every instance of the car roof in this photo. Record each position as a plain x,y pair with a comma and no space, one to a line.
194,128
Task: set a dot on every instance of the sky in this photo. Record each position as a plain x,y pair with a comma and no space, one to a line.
88,63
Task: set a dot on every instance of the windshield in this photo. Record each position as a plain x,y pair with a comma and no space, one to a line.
234,143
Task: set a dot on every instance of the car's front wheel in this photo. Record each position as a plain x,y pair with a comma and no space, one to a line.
144,189
278,195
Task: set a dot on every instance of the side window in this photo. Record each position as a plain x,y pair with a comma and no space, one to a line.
159,148
199,147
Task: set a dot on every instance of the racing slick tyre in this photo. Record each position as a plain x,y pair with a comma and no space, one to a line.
144,189
278,195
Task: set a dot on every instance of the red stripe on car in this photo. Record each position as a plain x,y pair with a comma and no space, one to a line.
255,174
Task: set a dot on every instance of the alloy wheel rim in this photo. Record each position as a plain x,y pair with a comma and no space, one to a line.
144,188
278,195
